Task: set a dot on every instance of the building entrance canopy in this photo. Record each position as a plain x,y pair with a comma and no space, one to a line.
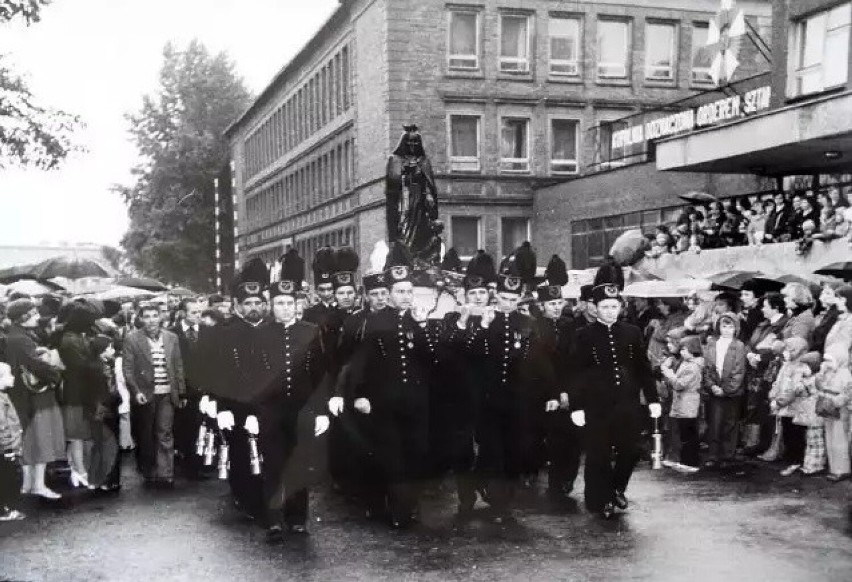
807,138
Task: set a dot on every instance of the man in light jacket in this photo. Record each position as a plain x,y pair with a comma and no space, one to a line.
153,372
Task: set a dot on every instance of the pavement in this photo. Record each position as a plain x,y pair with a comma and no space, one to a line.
753,527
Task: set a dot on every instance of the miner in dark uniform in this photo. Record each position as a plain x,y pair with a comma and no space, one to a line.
556,332
238,371
290,411
508,346
609,370
394,393
464,374
324,312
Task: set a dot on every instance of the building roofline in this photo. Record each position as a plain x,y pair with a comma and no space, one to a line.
298,59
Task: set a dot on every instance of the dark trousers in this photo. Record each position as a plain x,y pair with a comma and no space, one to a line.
722,416
11,478
564,448
247,489
503,442
281,490
154,437
794,440
612,450
187,422
684,435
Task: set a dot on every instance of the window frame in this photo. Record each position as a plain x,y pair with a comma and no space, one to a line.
578,42
526,62
478,40
528,230
479,245
464,160
693,70
796,69
528,138
550,135
628,33
673,56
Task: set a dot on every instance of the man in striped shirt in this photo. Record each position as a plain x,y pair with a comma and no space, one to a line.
153,371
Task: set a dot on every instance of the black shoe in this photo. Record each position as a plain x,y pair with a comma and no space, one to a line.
710,465
608,511
620,500
298,529
274,534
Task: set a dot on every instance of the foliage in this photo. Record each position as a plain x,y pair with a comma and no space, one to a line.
30,134
179,134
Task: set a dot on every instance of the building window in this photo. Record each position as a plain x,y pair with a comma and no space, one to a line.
702,56
465,235
514,43
820,55
660,51
515,232
563,146
564,46
514,146
463,50
464,143
613,43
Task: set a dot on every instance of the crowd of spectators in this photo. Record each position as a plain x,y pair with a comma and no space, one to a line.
757,220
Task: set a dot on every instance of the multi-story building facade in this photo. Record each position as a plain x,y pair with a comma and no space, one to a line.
504,92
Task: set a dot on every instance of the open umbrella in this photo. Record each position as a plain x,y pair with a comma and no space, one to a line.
633,275
698,196
669,288
182,292
841,270
732,280
34,287
119,292
141,283
16,273
812,282
70,268
629,247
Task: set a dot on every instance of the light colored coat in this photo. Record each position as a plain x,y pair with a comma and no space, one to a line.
686,389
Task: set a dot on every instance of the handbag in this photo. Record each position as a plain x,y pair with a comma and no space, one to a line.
32,383
826,408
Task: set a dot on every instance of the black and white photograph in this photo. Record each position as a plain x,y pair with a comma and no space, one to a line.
426,290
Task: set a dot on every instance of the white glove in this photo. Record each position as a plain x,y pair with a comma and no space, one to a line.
362,405
335,405
655,409
202,404
321,424
225,419
551,405
564,402
578,417
211,409
252,427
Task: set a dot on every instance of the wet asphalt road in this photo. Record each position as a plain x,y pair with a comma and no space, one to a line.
701,527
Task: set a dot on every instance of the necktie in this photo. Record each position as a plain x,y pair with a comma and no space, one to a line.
191,334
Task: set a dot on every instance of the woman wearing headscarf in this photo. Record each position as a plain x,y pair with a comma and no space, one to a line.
799,302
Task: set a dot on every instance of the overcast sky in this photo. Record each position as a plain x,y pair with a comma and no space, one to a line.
96,58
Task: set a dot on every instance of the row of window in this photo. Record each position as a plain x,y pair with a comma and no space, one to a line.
819,58
304,186
321,99
466,234
465,131
565,33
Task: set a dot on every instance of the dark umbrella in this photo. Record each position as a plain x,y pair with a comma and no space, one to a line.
697,196
181,292
141,283
16,273
727,280
628,248
841,270
768,284
70,268
812,282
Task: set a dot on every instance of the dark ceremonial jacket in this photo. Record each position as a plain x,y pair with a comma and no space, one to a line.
610,369
192,353
240,369
556,345
507,345
295,356
464,367
327,318
397,358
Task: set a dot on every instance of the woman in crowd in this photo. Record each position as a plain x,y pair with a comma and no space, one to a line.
834,389
839,337
827,317
724,374
34,398
101,406
799,303
672,314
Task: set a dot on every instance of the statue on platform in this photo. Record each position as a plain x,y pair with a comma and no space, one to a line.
411,200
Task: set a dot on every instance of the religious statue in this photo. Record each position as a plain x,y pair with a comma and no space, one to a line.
411,200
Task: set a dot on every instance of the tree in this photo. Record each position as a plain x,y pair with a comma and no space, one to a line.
30,134
179,134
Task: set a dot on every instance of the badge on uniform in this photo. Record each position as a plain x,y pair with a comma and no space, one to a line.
410,336
517,341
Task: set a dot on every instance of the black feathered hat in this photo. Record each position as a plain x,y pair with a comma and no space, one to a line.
525,262
292,275
586,292
509,279
323,266
345,268
252,281
451,261
555,272
398,264
375,281
480,271
609,273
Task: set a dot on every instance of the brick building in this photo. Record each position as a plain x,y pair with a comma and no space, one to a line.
504,91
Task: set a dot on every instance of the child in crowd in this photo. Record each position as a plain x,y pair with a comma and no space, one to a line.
10,446
685,383
806,398
834,387
783,402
